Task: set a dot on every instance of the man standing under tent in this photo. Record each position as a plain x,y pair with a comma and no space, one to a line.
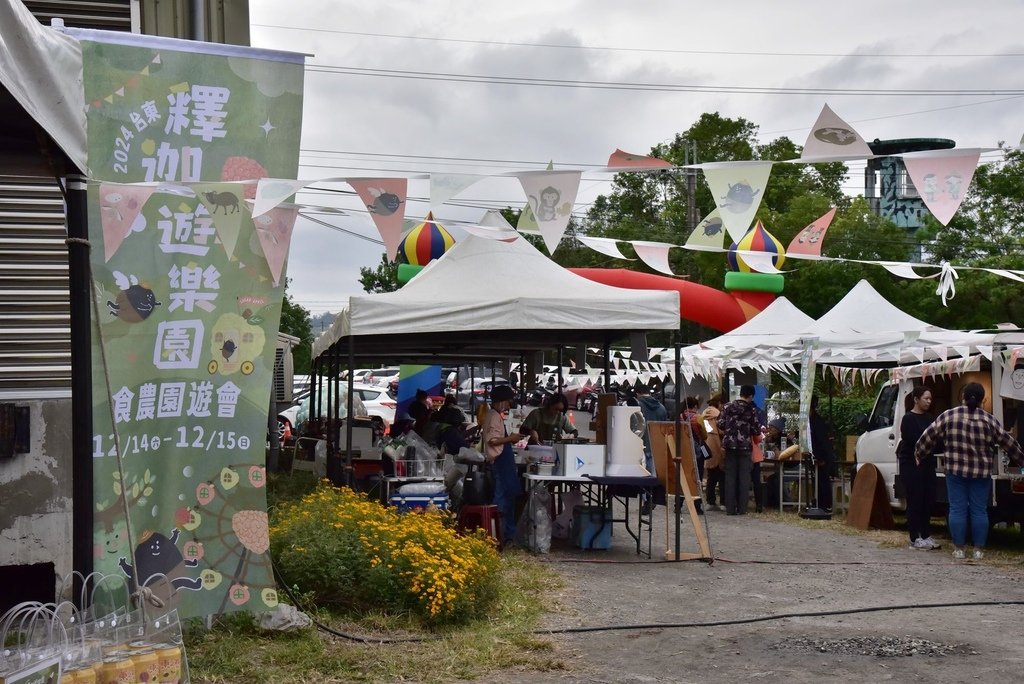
738,424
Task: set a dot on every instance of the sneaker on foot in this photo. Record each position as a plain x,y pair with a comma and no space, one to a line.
958,554
979,554
932,544
920,545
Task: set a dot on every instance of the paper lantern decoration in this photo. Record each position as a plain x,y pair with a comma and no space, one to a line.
757,239
425,242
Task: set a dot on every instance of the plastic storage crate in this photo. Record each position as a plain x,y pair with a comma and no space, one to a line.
592,527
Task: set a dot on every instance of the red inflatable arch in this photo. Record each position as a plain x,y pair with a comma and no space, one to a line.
701,304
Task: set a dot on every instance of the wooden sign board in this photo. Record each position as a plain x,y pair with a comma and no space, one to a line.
664,468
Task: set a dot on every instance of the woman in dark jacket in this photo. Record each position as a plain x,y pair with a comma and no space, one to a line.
918,479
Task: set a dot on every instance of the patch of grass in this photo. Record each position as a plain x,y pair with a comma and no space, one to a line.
289,486
237,651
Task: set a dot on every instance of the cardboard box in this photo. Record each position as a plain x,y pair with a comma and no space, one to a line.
576,460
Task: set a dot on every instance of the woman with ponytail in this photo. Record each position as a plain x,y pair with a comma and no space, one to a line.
970,435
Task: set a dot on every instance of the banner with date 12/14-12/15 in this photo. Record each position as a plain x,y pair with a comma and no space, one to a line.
188,290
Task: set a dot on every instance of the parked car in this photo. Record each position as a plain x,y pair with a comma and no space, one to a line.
476,391
295,416
380,403
382,376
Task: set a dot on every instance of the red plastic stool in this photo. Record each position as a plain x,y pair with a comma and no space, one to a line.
486,518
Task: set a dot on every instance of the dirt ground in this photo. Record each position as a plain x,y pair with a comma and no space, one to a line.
802,569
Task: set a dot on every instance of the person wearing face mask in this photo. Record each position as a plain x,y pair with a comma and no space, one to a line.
497,443
918,479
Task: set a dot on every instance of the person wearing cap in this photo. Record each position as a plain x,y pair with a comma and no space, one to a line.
497,443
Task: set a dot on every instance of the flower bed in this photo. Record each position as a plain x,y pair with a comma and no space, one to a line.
352,553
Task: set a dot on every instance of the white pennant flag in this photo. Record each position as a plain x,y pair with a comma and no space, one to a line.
738,188
606,246
270,192
654,254
444,186
832,139
551,196
709,235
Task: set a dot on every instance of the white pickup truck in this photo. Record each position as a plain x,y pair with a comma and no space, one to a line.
1003,380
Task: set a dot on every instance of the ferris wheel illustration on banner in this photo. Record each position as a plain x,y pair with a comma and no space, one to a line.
227,528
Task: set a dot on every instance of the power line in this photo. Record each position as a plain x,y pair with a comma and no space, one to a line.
648,87
610,48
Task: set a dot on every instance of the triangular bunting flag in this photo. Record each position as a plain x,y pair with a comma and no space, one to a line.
606,246
738,188
709,235
808,241
271,192
119,92
551,196
384,198
942,178
622,160
225,204
274,230
444,186
120,206
831,138
654,254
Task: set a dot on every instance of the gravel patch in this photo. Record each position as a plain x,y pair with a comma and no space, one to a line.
879,647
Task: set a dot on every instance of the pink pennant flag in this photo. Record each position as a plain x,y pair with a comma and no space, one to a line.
384,198
808,241
942,178
620,159
274,230
120,205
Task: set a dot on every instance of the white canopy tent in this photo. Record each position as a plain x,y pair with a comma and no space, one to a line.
861,329
492,299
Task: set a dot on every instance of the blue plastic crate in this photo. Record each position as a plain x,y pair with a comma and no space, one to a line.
411,502
592,527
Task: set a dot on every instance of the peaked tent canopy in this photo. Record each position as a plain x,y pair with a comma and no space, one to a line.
492,299
863,328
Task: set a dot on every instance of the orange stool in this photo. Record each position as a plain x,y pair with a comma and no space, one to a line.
486,518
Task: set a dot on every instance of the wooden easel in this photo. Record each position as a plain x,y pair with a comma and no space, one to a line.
663,446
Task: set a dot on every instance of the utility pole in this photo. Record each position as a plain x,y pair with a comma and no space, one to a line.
690,157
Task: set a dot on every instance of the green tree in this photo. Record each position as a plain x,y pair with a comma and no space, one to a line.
295,321
382,279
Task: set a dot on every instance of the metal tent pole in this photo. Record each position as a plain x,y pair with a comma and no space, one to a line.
679,446
80,287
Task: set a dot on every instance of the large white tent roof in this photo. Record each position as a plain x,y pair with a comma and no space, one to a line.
492,297
863,328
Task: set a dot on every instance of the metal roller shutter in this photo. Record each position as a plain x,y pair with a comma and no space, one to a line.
108,15
35,325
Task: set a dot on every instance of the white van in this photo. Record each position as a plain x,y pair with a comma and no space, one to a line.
881,436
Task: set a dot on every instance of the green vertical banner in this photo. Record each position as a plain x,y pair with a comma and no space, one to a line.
188,291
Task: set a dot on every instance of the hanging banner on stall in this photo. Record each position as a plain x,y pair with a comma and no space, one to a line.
412,378
807,364
187,310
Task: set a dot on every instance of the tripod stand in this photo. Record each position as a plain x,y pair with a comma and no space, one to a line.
814,512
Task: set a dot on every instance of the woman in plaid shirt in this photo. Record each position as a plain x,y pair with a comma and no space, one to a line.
970,435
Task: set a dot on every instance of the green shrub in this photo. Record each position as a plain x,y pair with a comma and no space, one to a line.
352,553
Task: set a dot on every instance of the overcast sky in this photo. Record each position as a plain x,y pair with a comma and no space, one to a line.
362,125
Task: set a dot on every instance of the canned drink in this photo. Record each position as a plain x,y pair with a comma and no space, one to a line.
140,645
147,666
118,670
68,678
169,664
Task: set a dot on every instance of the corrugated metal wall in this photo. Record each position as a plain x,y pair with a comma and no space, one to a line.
35,327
